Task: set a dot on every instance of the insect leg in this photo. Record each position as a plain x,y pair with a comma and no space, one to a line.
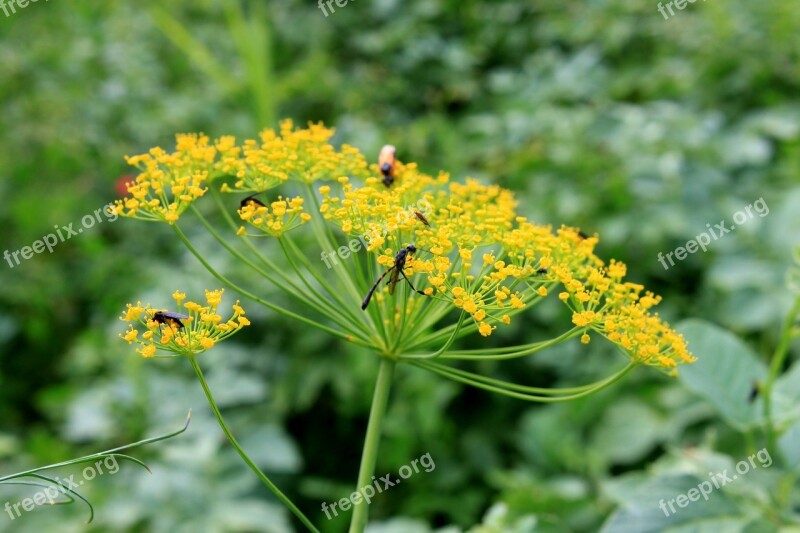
412,285
365,303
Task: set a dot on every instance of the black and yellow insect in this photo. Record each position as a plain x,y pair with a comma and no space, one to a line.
386,164
251,200
169,318
397,270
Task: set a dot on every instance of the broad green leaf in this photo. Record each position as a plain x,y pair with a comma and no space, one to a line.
628,431
645,507
786,397
725,372
789,446
786,412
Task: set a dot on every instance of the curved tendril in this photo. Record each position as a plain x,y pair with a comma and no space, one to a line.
120,455
69,498
98,455
66,488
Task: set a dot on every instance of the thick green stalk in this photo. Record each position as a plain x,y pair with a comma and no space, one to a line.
369,454
249,462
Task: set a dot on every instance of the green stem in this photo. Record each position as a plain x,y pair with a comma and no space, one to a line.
263,302
326,240
775,367
343,314
315,301
507,353
505,388
521,388
444,347
249,462
369,454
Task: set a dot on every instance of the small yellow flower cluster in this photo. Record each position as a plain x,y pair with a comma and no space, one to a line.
302,155
281,216
168,182
602,302
190,334
481,257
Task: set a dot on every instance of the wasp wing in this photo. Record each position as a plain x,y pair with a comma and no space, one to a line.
393,279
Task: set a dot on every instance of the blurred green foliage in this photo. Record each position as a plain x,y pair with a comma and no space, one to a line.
601,115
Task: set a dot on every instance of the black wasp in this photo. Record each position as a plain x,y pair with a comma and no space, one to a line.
169,318
397,270
251,200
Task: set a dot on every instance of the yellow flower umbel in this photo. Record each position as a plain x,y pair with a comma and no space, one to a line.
476,255
168,182
476,258
190,331
298,154
281,216
175,334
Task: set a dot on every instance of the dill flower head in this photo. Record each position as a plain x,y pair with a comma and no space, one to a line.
191,331
303,155
168,182
477,256
282,215
462,256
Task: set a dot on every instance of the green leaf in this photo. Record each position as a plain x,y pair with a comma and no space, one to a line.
641,507
628,431
789,446
724,374
786,397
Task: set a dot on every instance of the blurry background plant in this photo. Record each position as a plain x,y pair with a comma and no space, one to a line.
602,116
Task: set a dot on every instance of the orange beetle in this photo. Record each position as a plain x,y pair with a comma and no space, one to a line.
386,161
